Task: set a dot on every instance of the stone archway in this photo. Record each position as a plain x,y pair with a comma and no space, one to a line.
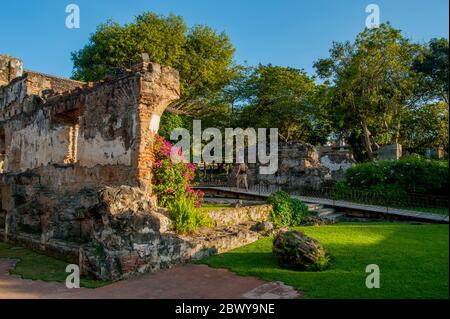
159,86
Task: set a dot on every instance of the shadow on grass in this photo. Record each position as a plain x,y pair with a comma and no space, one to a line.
31,265
413,261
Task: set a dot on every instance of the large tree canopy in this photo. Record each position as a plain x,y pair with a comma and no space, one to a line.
371,81
280,97
425,126
378,89
433,66
203,57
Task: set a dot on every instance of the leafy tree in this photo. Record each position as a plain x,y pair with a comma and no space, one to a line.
203,57
283,98
171,121
370,81
424,127
433,66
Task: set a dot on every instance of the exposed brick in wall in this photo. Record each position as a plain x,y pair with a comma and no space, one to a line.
65,141
78,174
153,102
10,68
24,93
106,123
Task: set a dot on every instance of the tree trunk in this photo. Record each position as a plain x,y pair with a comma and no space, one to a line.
367,143
397,131
398,124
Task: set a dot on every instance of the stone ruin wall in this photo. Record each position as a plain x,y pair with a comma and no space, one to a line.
10,68
337,160
76,163
76,170
76,174
106,124
301,165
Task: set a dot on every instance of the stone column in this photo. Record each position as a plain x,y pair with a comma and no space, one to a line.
71,157
159,86
45,221
390,152
10,68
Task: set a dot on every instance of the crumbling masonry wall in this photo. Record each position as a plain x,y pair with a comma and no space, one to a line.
64,142
76,173
301,165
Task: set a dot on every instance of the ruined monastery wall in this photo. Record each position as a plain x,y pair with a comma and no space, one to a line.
76,173
63,144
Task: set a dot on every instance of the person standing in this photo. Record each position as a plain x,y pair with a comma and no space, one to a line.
241,175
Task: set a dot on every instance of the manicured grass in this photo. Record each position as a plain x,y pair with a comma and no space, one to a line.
413,261
35,266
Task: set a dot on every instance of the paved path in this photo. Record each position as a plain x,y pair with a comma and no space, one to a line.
181,282
343,204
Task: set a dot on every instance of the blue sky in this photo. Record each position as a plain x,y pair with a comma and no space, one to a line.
282,32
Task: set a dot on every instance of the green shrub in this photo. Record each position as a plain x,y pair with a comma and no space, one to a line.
409,175
287,211
186,217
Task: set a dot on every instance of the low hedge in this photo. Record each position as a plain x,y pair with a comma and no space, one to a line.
410,175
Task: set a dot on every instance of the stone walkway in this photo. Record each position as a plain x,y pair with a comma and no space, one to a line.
181,282
427,217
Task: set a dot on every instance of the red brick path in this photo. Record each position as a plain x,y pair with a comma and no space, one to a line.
181,282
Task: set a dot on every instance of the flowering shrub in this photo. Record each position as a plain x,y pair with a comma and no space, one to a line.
172,178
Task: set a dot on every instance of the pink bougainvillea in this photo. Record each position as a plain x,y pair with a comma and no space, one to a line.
172,177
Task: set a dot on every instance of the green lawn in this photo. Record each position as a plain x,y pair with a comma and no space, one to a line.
35,266
413,261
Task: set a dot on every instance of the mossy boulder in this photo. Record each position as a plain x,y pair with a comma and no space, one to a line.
297,251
